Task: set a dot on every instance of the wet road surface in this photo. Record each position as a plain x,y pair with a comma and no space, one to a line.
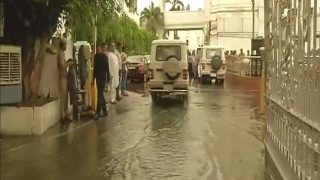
217,135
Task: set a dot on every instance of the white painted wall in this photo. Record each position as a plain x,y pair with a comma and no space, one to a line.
184,19
230,43
195,37
29,120
233,19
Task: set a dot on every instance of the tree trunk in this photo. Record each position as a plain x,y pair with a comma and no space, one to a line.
34,51
33,48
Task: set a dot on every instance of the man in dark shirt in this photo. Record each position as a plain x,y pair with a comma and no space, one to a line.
101,74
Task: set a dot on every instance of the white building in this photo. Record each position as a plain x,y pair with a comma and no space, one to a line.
230,22
130,11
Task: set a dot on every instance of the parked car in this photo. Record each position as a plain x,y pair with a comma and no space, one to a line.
168,69
211,64
136,67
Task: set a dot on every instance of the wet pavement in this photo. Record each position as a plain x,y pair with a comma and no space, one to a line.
216,135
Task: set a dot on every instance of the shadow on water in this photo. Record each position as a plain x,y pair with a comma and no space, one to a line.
168,113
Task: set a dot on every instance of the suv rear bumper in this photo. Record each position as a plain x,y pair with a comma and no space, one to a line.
177,87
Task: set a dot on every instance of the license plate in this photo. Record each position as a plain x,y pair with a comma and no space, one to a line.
168,87
131,67
213,74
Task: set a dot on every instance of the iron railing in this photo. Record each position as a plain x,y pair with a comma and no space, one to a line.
249,66
293,88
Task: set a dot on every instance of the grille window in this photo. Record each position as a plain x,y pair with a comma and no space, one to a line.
10,68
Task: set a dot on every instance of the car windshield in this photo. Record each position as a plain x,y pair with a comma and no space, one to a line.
165,51
212,52
135,59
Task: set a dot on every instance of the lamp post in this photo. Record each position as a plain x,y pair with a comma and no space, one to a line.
253,18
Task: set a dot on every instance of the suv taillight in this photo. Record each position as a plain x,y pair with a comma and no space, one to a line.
185,74
151,73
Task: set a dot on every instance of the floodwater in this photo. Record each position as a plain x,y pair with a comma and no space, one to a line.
216,135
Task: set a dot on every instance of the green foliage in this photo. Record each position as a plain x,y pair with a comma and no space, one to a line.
176,5
152,18
40,17
123,30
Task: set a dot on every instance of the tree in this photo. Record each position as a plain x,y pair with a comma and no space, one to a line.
132,4
123,30
176,5
31,24
153,19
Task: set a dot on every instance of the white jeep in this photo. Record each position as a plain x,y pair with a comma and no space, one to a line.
168,69
211,64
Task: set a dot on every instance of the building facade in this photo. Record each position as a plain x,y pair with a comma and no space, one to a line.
228,23
232,23
129,7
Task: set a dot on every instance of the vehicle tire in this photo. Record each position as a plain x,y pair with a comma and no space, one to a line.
221,81
172,68
185,98
202,80
216,62
154,97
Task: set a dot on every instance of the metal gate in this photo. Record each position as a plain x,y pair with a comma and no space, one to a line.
292,38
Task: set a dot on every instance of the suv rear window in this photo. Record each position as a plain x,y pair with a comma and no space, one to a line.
211,52
164,51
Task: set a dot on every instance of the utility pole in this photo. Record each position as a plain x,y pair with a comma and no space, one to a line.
253,18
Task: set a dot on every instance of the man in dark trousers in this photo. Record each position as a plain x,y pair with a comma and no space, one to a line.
101,74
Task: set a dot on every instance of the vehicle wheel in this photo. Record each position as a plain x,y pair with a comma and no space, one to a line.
185,98
202,80
154,97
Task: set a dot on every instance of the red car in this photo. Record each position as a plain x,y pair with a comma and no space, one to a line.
137,65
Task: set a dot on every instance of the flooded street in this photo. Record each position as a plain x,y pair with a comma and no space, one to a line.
216,135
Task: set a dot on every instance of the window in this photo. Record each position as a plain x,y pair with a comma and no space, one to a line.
212,52
10,68
164,51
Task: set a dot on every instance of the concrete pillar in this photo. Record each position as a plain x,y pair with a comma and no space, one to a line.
162,5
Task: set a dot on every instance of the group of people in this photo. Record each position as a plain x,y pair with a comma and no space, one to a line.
234,53
109,72
109,68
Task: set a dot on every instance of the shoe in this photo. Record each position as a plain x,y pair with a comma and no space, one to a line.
95,116
118,99
105,114
113,102
125,94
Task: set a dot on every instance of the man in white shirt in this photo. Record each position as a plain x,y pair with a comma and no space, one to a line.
123,82
114,73
117,53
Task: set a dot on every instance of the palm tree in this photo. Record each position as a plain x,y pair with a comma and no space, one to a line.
132,5
153,19
177,5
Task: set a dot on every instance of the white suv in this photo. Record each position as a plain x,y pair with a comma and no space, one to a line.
211,64
168,69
